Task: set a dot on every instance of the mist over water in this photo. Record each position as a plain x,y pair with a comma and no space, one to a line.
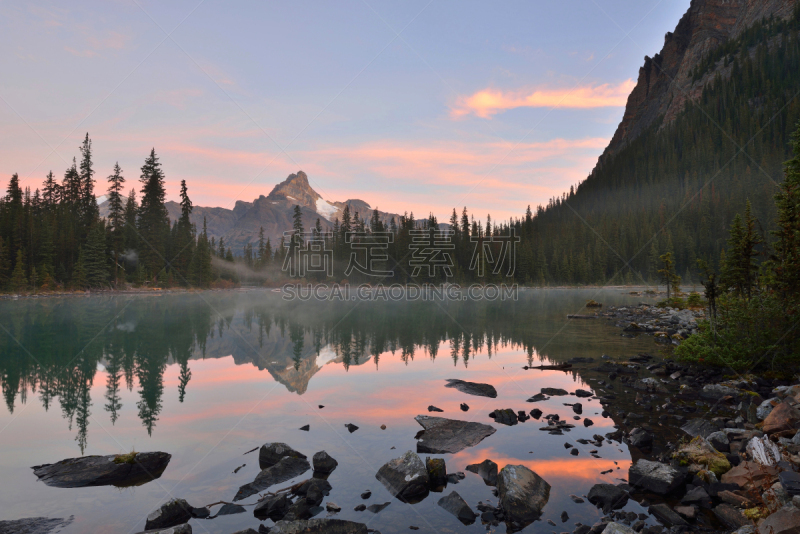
208,376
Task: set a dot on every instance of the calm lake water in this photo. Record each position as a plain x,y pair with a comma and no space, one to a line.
209,376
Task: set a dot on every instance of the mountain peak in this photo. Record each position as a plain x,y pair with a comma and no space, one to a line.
297,190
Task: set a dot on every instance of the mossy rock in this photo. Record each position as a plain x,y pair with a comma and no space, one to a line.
126,458
698,455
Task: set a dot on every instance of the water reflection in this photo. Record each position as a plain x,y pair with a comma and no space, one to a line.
53,348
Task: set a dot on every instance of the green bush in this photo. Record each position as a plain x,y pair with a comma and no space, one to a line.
672,302
694,300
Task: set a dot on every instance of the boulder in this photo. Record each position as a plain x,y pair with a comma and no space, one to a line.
699,455
437,472
730,516
33,525
641,438
750,475
697,496
608,497
523,493
719,440
582,393
171,513
504,417
766,407
717,391
324,463
699,427
272,507
406,477
314,490
790,482
617,528
121,470
457,506
655,476
271,453
185,528
286,469
441,436
784,521
319,526
554,392
487,470
472,388
763,451
651,385
783,417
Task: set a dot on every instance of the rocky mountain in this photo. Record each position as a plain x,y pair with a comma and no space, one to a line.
666,83
274,212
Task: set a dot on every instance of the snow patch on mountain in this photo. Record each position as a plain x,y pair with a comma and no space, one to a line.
325,209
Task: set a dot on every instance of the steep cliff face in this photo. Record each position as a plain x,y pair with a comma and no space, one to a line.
665,84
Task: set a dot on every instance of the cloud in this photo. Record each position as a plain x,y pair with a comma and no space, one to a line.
488,102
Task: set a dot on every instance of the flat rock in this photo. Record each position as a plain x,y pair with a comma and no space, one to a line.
749,475
554,392
523,493
608,497
33,525
582,393
790,482
319,526
286,469
169,514
665,514
699,427
504,417
655,476
730,516
472,388
442,435
271,453
783,417
784,521
487,470
406,477
457,506
618,528
118,470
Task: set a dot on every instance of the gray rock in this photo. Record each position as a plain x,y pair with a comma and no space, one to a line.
185,528
504,416
443,436
730,516
272,507
719,440
33,525
655,476
272,453
324,463
319,526
784,521
487,470
121,470
406,477
651,385
641,438
790,482
717,391
582,393
608,497
618,528
699,427
523,493
454,504
314,490
472,388
231,509
796,439
665,514
765,408
437,472
554,392
286,469
375,508
171,513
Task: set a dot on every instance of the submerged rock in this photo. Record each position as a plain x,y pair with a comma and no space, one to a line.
272,507
504,417
271,453
523,494
185,528
472,388
33,525
457,506
608,497
437,472
655,476
121,470
171,513
449,436
406,477
286,469
487,470
319,526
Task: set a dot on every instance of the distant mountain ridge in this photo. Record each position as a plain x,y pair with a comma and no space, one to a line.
241,225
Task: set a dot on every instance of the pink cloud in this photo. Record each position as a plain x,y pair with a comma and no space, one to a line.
488,102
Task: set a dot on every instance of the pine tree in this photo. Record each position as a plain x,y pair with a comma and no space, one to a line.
116,216
89,211
786,260
95,258
184,241
153,221
19,281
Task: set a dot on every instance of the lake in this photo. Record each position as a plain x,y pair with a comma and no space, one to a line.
209,376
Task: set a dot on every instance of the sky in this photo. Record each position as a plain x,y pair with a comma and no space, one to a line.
420,106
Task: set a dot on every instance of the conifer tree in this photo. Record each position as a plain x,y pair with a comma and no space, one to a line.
19,281
153,220
116,216
95,258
